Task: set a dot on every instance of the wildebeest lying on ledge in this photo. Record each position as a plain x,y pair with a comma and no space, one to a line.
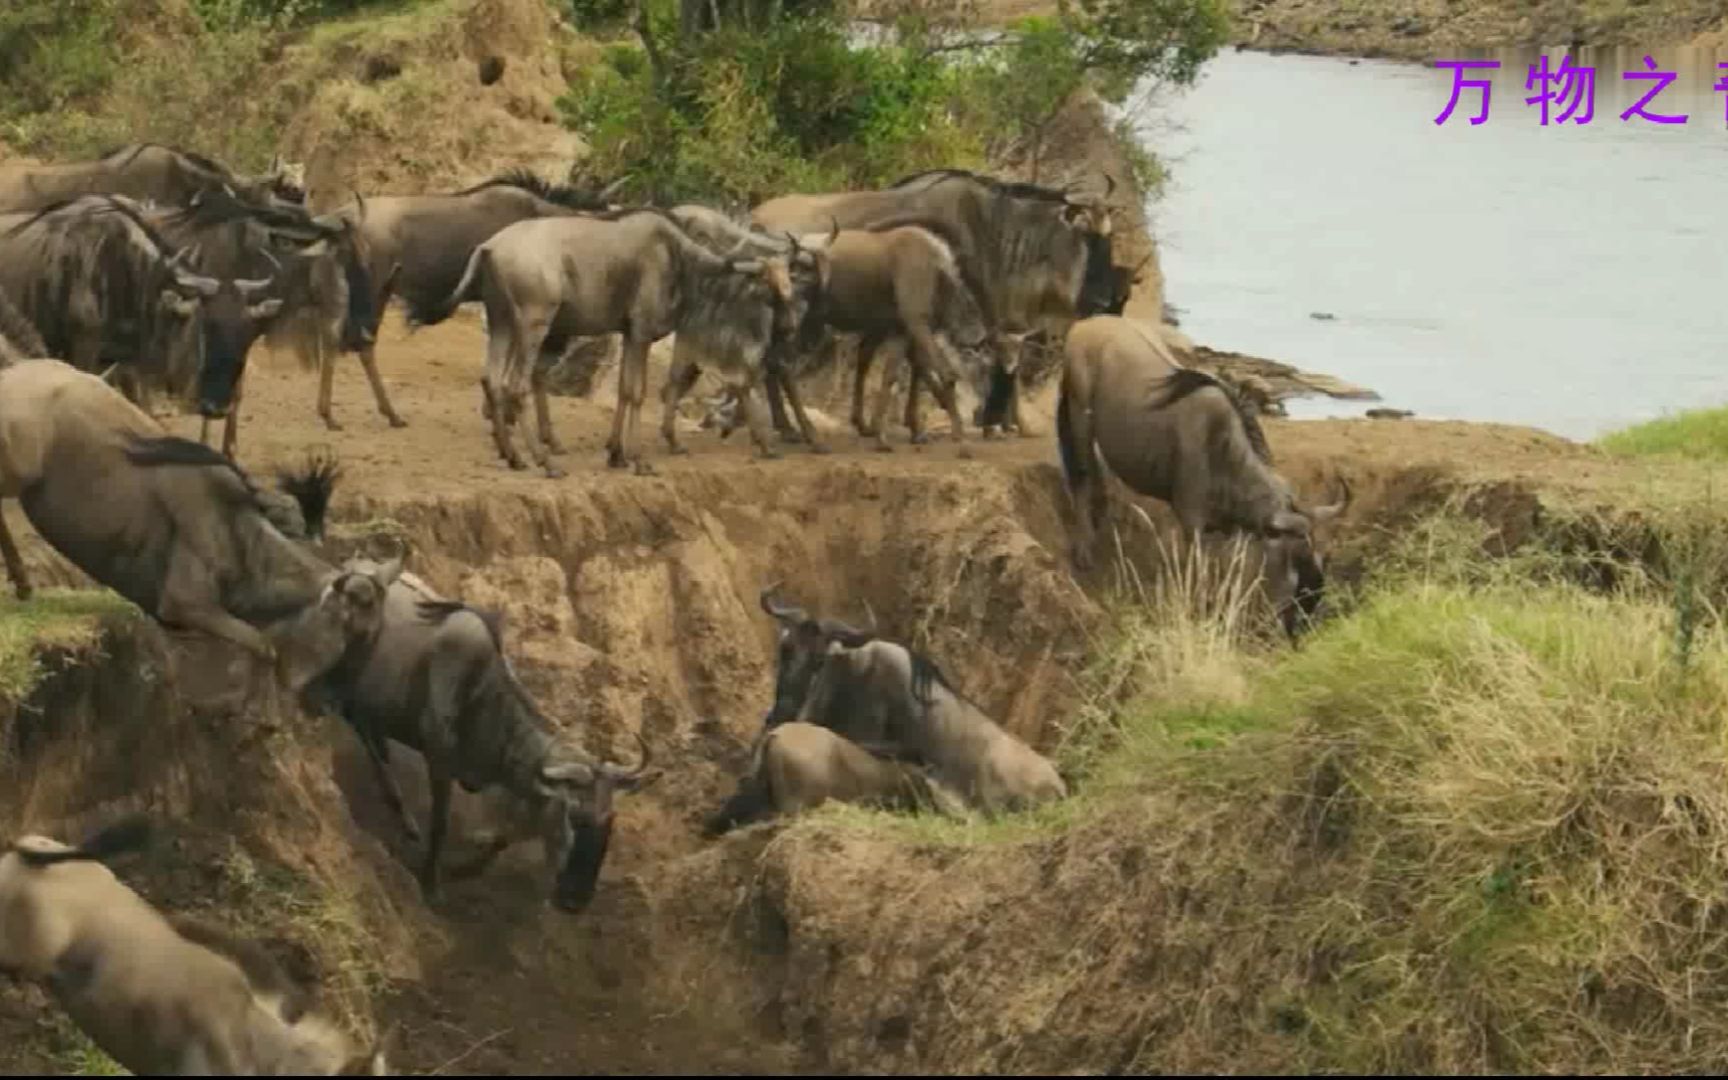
152,997
168,523
798,766
436,680
147,172
884,696
1181,435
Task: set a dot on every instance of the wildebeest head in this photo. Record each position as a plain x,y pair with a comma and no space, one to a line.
349,613
353,254
577,828
1294,572
805,644
1088,218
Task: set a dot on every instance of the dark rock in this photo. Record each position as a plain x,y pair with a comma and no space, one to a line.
491,70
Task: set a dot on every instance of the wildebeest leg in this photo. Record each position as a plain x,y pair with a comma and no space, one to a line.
543,412
754,416
369,361
14,564
501,358
922,354
621,449
188,600
778,383
867,347
378,753
231,425
438,773
526,377
884,394
805,426
1083,465
326,385
679,379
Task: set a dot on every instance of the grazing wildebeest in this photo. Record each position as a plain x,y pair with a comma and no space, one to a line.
104,287
1033,256
436,680
417,247
153,996
1182,436
880,694
321,287
168,523
797,766
635,272
143,171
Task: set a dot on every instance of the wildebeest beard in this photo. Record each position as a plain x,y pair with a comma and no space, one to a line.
580,872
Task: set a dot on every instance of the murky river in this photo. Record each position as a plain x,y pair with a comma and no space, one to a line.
1573,277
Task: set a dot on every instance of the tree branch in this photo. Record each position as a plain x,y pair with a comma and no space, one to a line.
649,46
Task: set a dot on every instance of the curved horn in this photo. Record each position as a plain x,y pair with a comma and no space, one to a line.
628,777
777,609
1109,185
835,234
612,189
248,286
360,202
1327,513
264,251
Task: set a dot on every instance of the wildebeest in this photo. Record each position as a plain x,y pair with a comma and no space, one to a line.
167,523
436,680
880,694
797,766
1033,256
104,287
417,247
155,999
635,272
1182,436
320,286
143,171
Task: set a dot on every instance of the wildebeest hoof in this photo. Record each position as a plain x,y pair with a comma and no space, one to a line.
884,448
678,451
818,448
642,468
1025,432
518,463
964,453
553,472
397,421
331,423
765,454
22,591
791,436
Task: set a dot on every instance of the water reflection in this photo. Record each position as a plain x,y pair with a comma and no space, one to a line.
1566,276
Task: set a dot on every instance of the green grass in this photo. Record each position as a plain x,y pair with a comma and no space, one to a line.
1475,821
53,618
71,1051
1698,433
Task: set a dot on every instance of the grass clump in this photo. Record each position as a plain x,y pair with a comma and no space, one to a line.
68,619
1697,433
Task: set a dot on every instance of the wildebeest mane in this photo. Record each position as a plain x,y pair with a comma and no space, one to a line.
128,834
157,451
925,675
1185,381
1015,189
561,194
217,208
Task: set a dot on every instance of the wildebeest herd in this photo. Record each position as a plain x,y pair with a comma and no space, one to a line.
151,270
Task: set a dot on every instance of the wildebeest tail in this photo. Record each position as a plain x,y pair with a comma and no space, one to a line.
129,834
18,337
427,311
312,486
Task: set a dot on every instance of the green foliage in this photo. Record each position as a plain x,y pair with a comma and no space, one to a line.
592,14
1699,433
53,51
747,114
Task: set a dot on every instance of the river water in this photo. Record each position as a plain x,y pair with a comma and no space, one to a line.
1571,277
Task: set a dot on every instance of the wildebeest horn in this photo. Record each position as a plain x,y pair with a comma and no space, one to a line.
1287,523
1327,513
1109,185
835,234
277,263
628,778
249,286
777,609
746,266
568,772
612,189
360,204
